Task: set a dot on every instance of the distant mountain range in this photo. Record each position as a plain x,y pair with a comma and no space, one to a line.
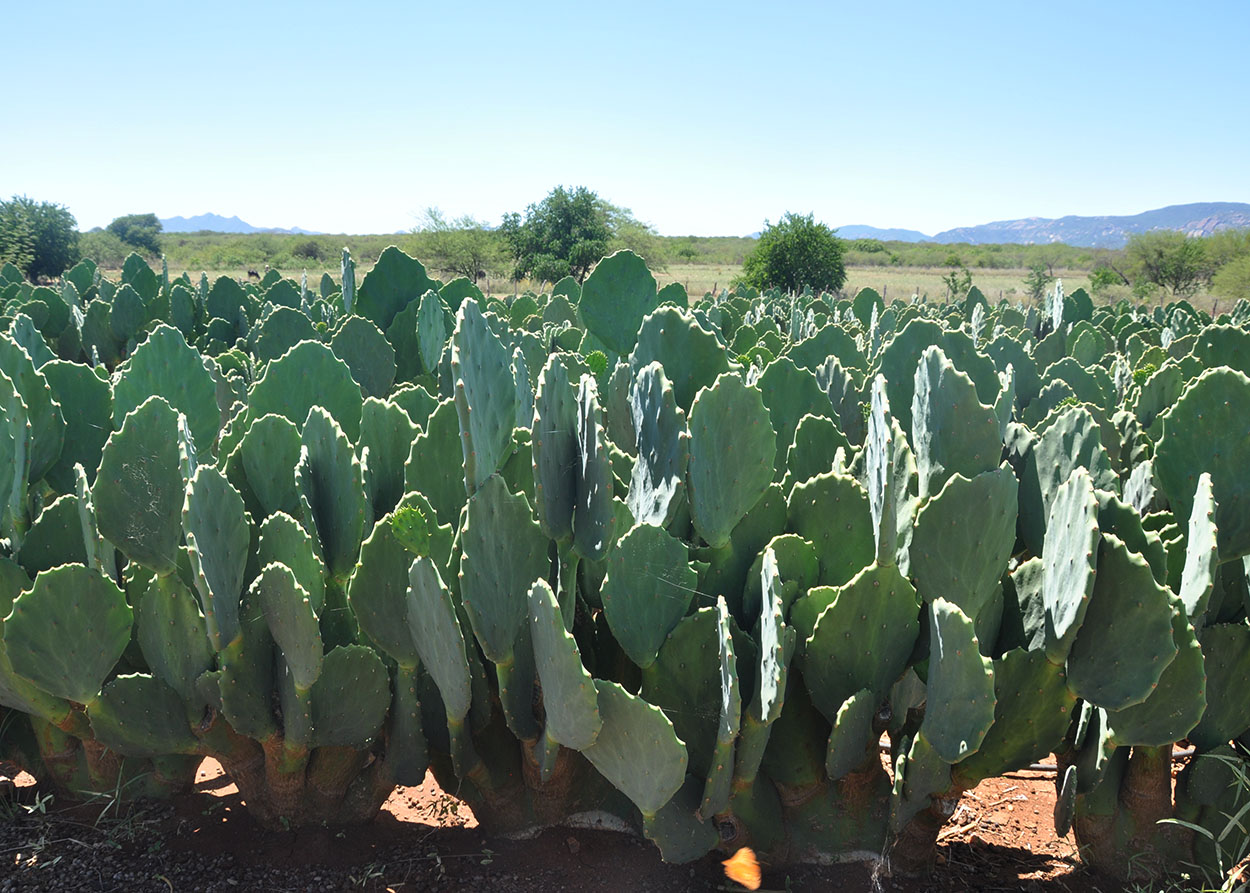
885,235
218,224
1197,219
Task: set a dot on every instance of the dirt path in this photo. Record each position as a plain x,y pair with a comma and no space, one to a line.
1000,838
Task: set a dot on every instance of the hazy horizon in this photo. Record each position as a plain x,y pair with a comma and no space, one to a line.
703,119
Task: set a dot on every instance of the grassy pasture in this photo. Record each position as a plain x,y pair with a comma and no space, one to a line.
717,262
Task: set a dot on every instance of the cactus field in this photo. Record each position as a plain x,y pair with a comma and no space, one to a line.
786,572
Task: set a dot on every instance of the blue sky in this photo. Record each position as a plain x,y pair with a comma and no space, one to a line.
702,118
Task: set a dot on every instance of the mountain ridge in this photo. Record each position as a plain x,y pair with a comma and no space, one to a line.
1102,231
216,223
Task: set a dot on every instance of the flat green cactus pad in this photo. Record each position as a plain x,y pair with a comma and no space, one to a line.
140,716
963,539
308,375
1125,642
952,431
270,451
1070,555
615,297
138,491
68,631
485,396
504,553
1206,431
648,588
863,639
218,539
1032,711
1226,649
350,698
166,366
657,488
732,451
637,749
959,708
284,539
330,481
570,699
1176,704
851,742
292,623
378,593
1201,553
173,635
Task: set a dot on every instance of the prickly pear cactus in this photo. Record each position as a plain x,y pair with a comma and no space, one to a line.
673,564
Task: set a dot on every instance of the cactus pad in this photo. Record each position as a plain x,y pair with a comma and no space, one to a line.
1126,639
648,588
570,699
732,450
218,539
504,553
959,708
637,749
138,491
68,631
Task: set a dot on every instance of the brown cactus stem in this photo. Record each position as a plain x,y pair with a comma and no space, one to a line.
104,766
551,798
795,796
241,758
330,771
285,781
75,723
62,757
365,794
913,851
1129,843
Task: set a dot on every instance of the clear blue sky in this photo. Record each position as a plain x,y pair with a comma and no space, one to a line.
702,118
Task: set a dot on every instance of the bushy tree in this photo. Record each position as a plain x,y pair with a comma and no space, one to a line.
140,231
1038,280
795,253
463,246
957,282
1104,277
638,237
1233,279
103,247
1169,259
565,234
39,238
1226,246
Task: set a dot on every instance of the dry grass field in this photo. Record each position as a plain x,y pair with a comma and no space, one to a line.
699,279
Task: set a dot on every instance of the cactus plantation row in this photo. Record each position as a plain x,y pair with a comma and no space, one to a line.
608,555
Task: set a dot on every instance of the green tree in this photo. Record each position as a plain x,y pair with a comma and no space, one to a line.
795,253
1103,277
1038,280
39,238
565,234
687,250
141,231
463,246
957,282
1226,246
638,237
1169,259
1233,279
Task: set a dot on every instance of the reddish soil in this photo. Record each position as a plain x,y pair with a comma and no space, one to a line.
1001,837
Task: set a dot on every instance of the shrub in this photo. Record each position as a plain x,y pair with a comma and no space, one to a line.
39,238
796,253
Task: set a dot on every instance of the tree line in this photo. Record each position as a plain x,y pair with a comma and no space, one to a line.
570,229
